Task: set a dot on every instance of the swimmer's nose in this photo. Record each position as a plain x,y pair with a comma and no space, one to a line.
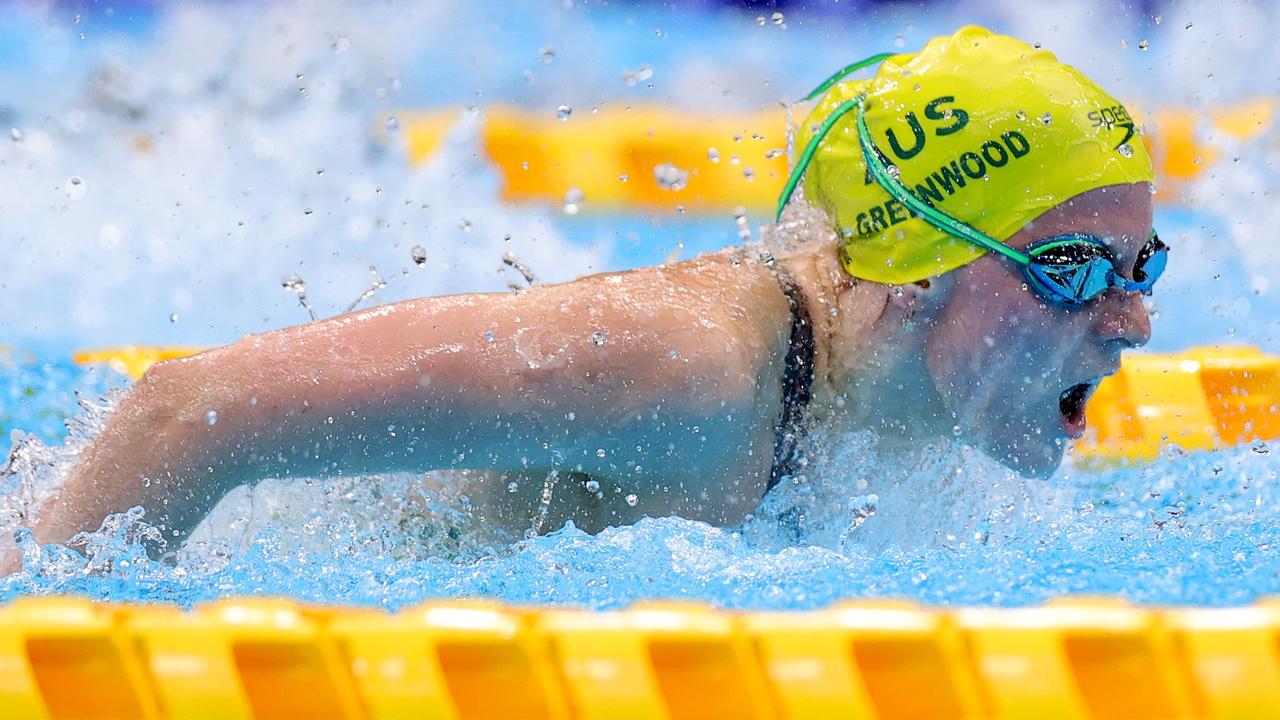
1122,316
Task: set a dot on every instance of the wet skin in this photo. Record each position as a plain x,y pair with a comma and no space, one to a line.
662,382
1000,357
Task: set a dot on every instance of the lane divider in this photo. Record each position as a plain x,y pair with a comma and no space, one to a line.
1073,659
721,161
1199,399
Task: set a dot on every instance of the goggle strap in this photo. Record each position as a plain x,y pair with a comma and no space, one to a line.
845,72
803,163
947,224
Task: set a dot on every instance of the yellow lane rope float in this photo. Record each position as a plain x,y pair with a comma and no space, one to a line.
1075,659
132,360
658,158
1200,399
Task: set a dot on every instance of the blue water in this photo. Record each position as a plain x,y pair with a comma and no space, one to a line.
256,114
952,528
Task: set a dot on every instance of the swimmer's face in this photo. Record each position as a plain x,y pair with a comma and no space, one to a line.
1015,370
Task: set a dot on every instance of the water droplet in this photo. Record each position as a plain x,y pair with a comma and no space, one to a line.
670,177
1125,150
713,155
767,258
623,177
955,430
601,453
419,255
146,482
307,211
563,112
16,135
673,355
599,338
1143,45
740,218
1188,27
894,172
392,124
546,55
639,75
294,283
777,18
1158,19
1124,44
632,500
573,198
464,225
1020,115
749,174
1260,448
211,417
75,187
513,486
760,20
173,317
1046,118
489,336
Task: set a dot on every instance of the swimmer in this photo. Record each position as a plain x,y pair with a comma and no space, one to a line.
984,240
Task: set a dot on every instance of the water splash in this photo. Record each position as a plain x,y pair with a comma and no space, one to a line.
944,525
947,526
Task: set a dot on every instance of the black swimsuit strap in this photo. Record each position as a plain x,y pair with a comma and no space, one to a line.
797,381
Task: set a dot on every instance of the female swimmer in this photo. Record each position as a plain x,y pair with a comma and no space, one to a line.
988,239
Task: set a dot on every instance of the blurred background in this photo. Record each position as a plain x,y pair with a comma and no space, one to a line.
182,173
166,170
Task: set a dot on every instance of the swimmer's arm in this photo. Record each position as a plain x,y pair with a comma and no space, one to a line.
602,375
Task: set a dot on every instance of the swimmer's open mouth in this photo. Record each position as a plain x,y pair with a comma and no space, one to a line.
1071,404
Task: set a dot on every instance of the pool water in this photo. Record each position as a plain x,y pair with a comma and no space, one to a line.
260,164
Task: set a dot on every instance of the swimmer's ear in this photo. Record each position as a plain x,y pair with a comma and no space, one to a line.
922,298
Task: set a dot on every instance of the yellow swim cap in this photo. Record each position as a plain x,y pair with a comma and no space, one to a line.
982,127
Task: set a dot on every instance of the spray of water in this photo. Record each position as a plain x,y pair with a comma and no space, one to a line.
187,175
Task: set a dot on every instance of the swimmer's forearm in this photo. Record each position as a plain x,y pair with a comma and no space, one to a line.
165,449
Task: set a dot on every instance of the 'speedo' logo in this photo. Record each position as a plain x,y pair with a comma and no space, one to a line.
1114,116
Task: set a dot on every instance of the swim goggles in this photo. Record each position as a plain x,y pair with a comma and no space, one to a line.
1065,270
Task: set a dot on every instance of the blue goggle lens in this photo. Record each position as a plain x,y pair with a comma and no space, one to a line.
1152,260
1073,269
